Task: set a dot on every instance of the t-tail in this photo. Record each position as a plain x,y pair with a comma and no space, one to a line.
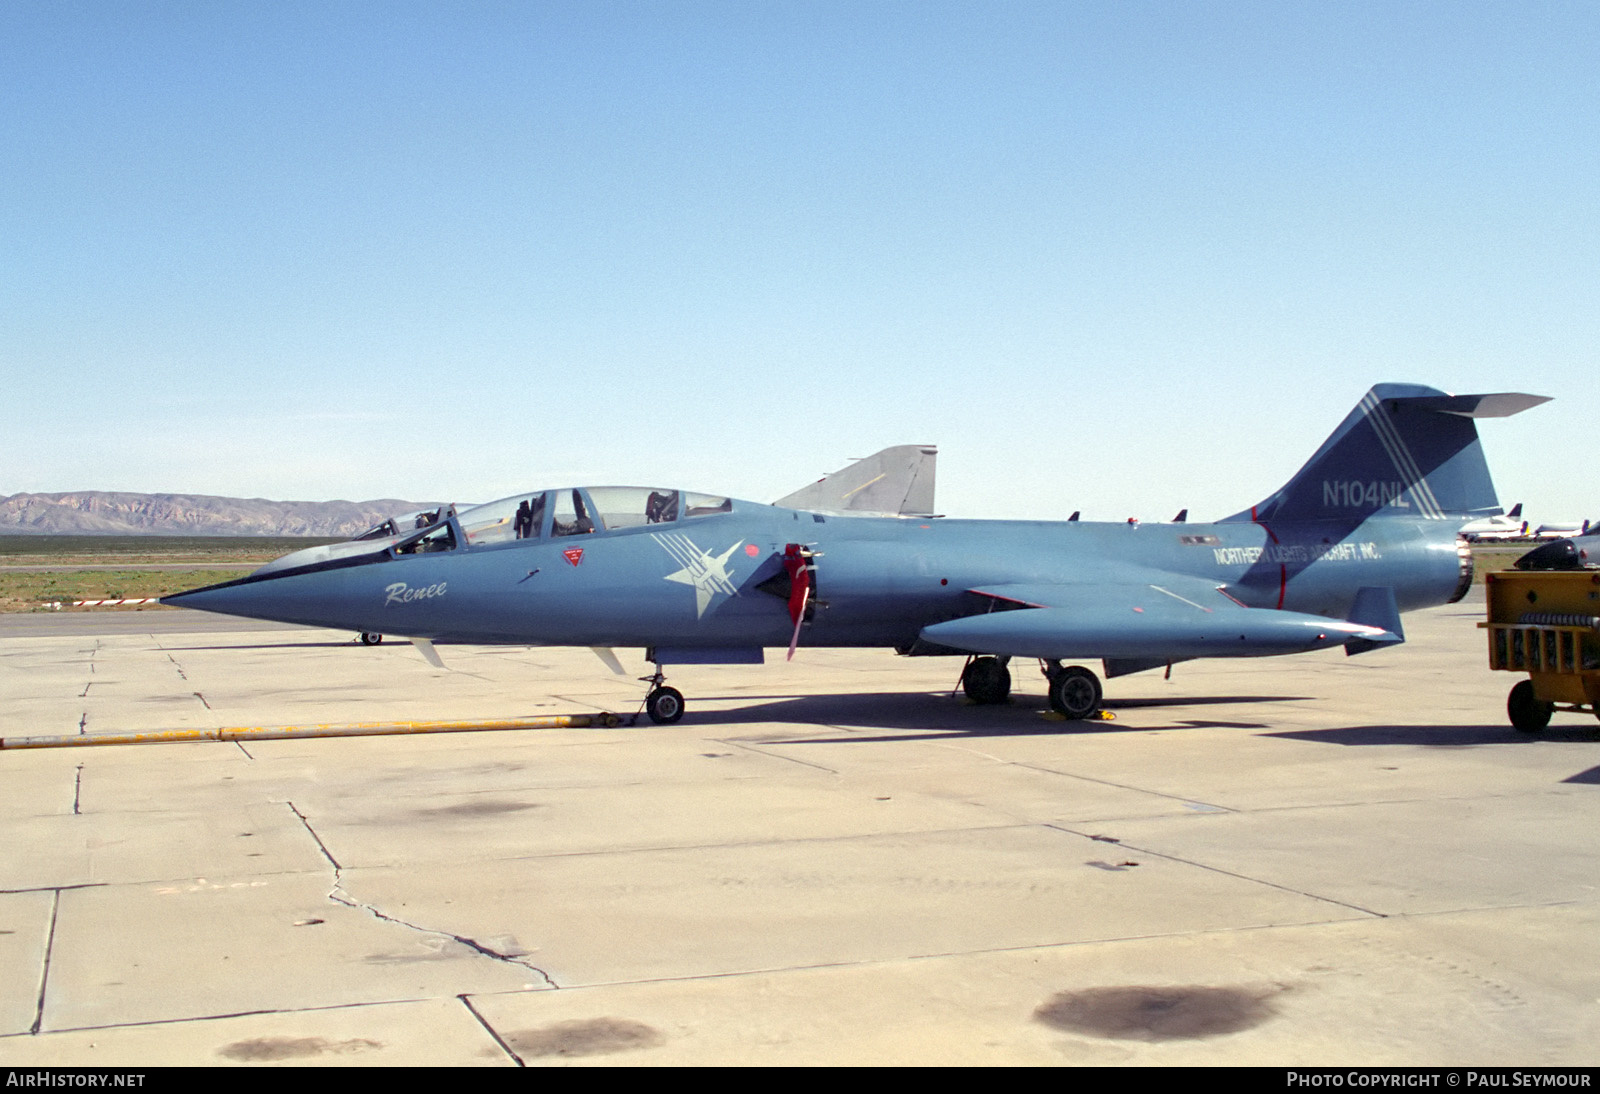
1405,450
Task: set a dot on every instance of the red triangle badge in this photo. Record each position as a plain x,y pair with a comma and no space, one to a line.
574,555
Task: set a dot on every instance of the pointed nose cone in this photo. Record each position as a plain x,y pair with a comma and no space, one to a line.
243,597
311,586
316,599
340,593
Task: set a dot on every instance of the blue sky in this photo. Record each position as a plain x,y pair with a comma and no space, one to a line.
1119,257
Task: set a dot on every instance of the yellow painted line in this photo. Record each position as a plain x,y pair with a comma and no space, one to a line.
603,720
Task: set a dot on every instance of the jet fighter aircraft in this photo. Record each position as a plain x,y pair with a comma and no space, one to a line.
1367,529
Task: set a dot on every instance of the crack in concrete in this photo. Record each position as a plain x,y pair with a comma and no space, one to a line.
733,742
90,684
153,1023
339,895
77,791
55,888
1119,786
202,699
484,1022
181,674
44,971
1232,873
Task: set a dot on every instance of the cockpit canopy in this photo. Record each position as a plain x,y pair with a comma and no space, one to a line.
581,511
571,511
408,522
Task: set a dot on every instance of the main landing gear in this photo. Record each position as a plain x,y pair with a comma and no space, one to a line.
1074,691
370,638
987,680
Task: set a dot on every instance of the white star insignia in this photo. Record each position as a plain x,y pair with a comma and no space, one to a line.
708,573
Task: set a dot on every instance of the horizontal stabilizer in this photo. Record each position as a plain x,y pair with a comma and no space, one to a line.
1501,404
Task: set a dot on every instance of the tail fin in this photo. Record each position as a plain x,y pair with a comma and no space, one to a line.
897,481
1404,450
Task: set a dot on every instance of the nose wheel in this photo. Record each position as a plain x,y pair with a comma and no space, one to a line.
664,705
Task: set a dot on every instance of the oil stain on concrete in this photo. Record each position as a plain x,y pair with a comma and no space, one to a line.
1157,1013
488,808
267,1049
589,1037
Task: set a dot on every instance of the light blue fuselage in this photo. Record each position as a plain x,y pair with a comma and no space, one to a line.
879,581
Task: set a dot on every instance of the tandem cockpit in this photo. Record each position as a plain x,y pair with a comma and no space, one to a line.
581,511
540,515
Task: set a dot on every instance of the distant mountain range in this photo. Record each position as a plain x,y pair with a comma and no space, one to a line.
99,512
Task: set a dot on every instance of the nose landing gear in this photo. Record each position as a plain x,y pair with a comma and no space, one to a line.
664,705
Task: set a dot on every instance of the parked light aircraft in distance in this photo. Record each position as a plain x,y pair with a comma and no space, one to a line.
1561,529
1489,529
1367,529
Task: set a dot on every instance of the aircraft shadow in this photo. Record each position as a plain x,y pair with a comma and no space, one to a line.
935,715
1439,736
1134,704
1453,737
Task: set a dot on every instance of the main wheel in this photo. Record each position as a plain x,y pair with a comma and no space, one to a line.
987,681
1527,713
1075,692
370,638
664,705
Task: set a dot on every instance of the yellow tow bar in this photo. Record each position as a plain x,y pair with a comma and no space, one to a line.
603,720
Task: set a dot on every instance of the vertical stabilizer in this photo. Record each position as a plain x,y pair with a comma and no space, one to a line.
896,481
1405,450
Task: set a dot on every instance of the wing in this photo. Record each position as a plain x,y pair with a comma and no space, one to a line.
1164,618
